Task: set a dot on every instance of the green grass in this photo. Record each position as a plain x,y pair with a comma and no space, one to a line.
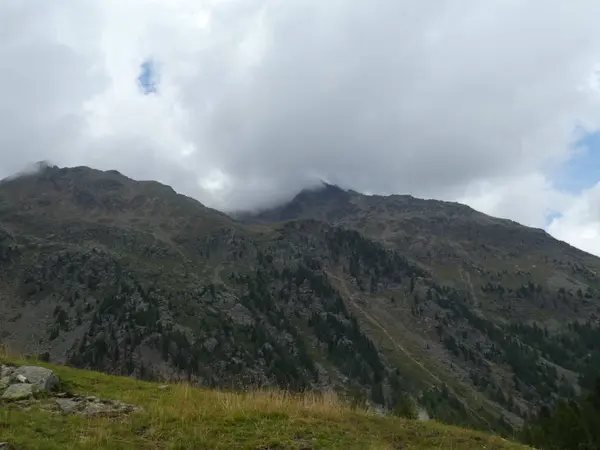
183,417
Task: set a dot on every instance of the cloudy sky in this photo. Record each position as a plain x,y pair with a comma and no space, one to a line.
240,103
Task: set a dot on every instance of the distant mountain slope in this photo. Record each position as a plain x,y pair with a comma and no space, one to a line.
450,239
392,299
526,304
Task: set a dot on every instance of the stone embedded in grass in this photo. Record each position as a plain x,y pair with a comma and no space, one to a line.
94,407
19,392
68,406
43,378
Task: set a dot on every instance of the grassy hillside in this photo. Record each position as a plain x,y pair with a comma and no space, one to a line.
181,417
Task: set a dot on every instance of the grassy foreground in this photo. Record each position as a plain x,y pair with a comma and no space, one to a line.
182,417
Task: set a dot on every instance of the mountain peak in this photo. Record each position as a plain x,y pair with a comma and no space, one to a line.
323,191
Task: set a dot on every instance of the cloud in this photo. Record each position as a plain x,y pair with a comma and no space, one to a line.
479,102
44,82
530,199
580,224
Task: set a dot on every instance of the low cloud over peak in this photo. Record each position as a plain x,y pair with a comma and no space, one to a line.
482,103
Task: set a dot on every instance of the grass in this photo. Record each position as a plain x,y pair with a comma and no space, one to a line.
183,417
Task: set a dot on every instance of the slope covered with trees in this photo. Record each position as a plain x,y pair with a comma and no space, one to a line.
403,303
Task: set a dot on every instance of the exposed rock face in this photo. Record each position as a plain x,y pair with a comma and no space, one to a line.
241,315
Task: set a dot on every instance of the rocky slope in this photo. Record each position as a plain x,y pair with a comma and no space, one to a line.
518,314
477,320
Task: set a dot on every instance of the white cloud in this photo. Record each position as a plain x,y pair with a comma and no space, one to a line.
528,199
469,100
580,223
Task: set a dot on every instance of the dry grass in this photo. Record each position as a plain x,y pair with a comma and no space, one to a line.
182,417
267,401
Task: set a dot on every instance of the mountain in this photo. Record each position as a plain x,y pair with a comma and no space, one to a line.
397,301
522,304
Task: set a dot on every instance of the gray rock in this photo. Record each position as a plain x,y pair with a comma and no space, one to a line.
22,378
100,409
241,315
43,378
4,383
94,407
19,392
69,406
163,387
6,371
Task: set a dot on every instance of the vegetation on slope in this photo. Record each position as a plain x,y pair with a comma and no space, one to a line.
391,300
573,424
181,417
504,311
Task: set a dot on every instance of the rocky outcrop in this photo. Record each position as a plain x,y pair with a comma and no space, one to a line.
22,385
41,377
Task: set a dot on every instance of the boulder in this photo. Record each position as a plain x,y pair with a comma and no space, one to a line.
43,378
19,392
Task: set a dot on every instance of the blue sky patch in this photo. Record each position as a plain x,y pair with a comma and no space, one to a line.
551,216
148,78
583,171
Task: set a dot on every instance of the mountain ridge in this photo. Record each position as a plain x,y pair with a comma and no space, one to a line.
476,319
